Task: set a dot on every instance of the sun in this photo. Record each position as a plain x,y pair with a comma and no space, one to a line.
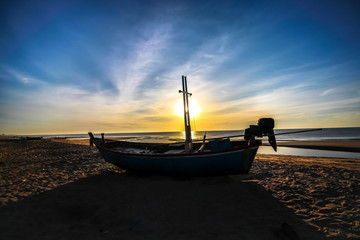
193,106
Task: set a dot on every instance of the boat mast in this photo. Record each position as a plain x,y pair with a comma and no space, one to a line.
188,140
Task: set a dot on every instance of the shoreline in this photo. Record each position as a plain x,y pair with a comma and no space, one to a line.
344,145
331,145
350,145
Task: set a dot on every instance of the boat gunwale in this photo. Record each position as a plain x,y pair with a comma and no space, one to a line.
172,155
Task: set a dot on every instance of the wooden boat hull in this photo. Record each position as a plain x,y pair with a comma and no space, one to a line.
238,161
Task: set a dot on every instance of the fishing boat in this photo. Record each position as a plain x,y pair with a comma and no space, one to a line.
215,156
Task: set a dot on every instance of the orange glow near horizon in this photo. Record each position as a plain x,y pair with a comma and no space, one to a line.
193,107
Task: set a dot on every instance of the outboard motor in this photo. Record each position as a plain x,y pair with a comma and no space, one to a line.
265,127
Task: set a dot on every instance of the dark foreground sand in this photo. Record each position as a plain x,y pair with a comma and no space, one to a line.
53,190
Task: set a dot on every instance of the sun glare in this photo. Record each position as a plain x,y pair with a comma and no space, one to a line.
192,135
193,106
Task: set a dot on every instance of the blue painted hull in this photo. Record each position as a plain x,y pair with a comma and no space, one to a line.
235,161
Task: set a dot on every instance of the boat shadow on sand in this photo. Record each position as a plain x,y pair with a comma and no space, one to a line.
128,206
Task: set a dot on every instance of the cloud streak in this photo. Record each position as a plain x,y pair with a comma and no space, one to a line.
129,74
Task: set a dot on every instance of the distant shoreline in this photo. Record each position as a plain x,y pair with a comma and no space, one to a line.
201,132
349,145
330,145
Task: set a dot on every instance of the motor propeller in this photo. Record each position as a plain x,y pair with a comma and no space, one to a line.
265,127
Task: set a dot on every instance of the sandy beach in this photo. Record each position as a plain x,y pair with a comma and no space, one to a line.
62,190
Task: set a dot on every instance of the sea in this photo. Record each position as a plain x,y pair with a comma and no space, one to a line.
352,133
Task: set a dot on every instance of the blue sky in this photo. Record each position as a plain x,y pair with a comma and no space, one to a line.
116,66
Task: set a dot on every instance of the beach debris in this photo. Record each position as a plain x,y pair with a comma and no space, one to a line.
31,138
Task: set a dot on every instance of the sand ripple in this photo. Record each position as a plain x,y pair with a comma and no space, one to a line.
323,191
31,167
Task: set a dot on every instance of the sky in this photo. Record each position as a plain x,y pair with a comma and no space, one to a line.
115,66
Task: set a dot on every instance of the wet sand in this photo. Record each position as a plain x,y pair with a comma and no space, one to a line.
57,190
332,145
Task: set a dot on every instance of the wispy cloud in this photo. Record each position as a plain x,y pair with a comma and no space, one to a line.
21,77
144,59
101,70
328,92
